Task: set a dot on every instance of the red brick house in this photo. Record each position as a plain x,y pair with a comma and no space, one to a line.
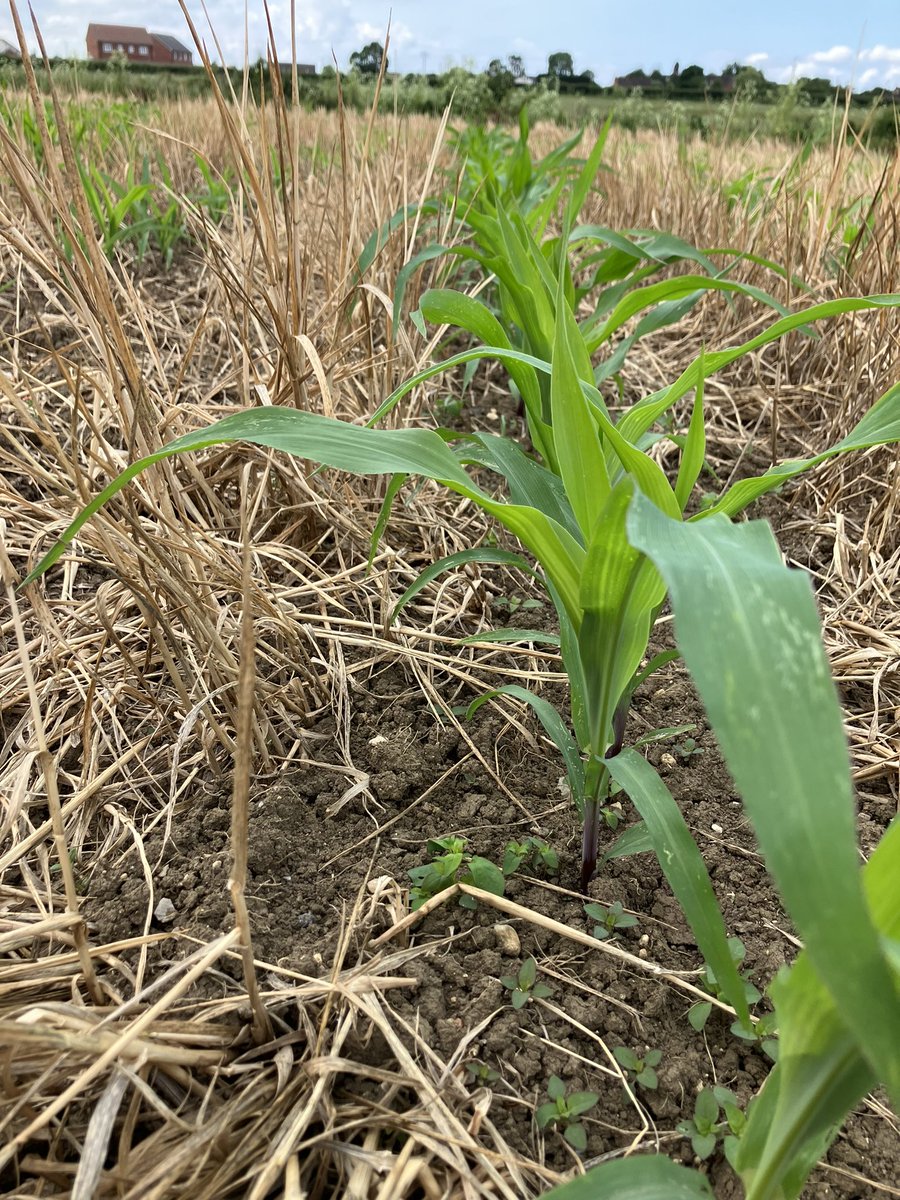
137,44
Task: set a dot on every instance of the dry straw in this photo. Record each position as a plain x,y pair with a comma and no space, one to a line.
221,606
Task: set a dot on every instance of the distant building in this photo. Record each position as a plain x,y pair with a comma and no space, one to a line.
287,68
137,45
8,50
632,81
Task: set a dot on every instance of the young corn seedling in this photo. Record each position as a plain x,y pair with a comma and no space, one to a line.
562,1112
640,1070
524,986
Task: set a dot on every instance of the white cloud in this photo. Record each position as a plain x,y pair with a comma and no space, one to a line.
881,54
875,66
836,54
753,60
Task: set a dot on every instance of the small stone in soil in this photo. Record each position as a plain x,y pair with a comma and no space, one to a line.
507,939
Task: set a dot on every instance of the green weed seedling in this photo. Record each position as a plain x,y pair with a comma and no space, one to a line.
514,603
717,1117
481,1074
451,862
533,853
687,748
524,986
611,919
764,1033
698,1014
562,1111
639,1070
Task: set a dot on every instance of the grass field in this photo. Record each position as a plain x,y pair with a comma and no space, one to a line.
221,759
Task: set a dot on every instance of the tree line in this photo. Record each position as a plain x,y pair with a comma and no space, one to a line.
693,82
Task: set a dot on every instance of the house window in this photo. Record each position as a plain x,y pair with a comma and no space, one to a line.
106,47
145,50
120,46
131,49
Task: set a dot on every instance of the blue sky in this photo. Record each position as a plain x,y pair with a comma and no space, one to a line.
858,41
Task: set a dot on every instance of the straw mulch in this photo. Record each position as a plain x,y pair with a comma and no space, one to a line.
219,605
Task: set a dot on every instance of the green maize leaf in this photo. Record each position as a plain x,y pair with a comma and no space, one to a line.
610,651
579,453
879,427
656,662
382,235
671,289
821,1073
618,272
544,265
574,668
554,727
773,708
667,313
619,589
635,840
694,453
525,279
758,260
558,158
645,471
406,272
478,554
511,637
803,1156
646,412
640,1177
541,365
610,367
446,307
662,248
683,866
384,515
442,306
611,562
587,175
550,252
132,197
363,451
520,165
529,482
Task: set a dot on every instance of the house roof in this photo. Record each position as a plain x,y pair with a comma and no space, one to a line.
119,33
171,43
